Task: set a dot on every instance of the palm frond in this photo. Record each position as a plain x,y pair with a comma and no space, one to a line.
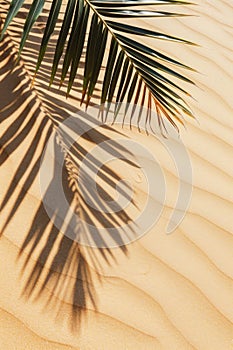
134,72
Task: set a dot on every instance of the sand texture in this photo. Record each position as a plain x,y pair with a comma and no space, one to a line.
171,292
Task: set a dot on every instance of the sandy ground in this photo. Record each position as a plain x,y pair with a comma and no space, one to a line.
161,292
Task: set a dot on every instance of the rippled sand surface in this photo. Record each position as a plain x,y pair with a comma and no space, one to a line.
161,292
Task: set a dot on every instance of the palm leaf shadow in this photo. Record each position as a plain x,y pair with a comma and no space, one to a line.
55,252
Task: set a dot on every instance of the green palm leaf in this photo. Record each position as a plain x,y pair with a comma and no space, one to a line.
34,12
133,72
13,10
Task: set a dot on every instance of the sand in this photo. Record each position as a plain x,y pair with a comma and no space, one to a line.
161,292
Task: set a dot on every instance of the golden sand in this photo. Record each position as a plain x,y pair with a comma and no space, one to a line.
169,291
